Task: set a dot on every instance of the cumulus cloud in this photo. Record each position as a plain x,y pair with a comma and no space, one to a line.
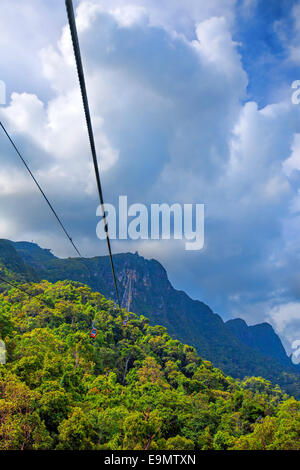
286,318
172,15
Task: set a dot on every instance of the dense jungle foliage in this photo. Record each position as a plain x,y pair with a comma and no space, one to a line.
133,387
234,347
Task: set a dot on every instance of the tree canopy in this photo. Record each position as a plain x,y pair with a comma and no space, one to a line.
133,387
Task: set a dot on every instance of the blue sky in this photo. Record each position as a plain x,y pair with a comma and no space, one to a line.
263,29
191,103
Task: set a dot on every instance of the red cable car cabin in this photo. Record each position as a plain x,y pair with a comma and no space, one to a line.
93,333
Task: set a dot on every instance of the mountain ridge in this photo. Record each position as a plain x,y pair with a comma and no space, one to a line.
260,336
188,320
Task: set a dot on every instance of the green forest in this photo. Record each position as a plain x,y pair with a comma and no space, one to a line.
132,387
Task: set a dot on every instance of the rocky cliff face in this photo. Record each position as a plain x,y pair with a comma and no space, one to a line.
233,346
261,337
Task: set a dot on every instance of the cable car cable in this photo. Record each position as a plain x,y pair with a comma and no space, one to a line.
77,54
24,291
45,198
41,190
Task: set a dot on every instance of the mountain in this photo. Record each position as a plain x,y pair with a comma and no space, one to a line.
130,388
226,345
32,254
260,337
12,265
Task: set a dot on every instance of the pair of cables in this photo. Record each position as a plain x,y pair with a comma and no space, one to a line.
77,54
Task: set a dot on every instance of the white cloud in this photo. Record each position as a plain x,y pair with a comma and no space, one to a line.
288,32
293,162
214,42
286,318
58,128
172,15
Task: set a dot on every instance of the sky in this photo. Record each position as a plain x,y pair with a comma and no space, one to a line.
191,103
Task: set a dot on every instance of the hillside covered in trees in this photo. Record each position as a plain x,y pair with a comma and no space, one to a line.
235,348
133,387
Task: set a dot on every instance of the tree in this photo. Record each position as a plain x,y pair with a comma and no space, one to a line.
179,443
78,432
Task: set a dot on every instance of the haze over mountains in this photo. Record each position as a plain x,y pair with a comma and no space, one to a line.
238,349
